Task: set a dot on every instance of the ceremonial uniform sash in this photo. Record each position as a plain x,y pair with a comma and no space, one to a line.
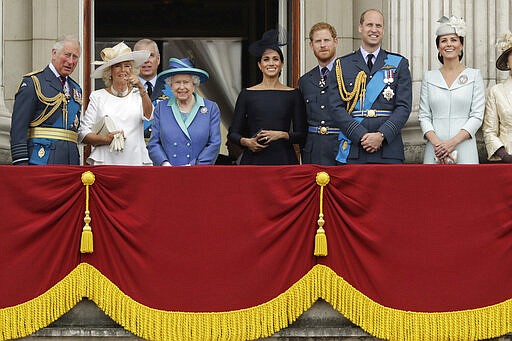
373,89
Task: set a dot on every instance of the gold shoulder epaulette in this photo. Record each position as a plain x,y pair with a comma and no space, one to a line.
33,73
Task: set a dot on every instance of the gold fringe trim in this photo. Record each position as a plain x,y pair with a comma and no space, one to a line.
152,324
392,324
255,322
26,318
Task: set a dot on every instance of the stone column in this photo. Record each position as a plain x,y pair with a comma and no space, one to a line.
5,115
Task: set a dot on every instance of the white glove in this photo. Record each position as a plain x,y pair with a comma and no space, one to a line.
117,143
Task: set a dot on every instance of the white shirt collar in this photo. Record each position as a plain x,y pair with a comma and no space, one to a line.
152,81
57,75
54,70
366,53
329,66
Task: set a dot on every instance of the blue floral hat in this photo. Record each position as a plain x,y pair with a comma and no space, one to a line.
183,66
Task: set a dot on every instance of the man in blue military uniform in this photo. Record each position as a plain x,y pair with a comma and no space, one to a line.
370,95
321,145
46,111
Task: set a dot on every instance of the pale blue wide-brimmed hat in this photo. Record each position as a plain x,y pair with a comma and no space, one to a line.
183,66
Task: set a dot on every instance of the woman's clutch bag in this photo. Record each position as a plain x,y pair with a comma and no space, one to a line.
105,126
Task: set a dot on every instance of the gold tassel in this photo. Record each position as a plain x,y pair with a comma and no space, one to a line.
320,239
86,242
322,179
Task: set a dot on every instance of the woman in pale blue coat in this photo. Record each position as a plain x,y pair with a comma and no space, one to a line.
452,101
186,130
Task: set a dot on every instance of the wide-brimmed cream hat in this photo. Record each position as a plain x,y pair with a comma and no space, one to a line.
504,46
117,54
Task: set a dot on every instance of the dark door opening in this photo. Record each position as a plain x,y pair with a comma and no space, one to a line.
160,20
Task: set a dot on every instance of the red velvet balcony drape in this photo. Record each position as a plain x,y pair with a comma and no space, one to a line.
407,238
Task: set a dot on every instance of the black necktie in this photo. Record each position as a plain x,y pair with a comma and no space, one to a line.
62,80
370,62
325,72
149,88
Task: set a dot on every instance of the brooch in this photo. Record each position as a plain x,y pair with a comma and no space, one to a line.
204,110
463,79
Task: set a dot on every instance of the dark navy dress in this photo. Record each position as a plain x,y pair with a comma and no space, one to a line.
282,110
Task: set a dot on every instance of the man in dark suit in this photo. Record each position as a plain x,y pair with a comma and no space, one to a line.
46,111
148,75
321,145
370,95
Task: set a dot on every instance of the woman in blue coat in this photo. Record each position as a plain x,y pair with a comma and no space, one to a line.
186,130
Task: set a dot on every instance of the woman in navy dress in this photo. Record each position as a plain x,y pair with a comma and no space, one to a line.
269,117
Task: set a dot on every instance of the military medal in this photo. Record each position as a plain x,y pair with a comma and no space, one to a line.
388,93
77,96
323,76
344,146
41,152
321,83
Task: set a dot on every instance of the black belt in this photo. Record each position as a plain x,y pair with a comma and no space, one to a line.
322,130
371,113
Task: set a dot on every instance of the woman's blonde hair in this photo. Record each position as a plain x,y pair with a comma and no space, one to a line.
107,73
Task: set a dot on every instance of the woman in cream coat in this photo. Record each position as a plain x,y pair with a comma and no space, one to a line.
497,127
452,101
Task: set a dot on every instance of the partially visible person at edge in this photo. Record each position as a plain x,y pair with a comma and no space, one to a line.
148,75
370,121
265,112
123,101
233,157
186,130
322,140
46,111
497,126
452,100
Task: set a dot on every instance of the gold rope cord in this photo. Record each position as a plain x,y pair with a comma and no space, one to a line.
53,102
357,93
322,179
86,241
